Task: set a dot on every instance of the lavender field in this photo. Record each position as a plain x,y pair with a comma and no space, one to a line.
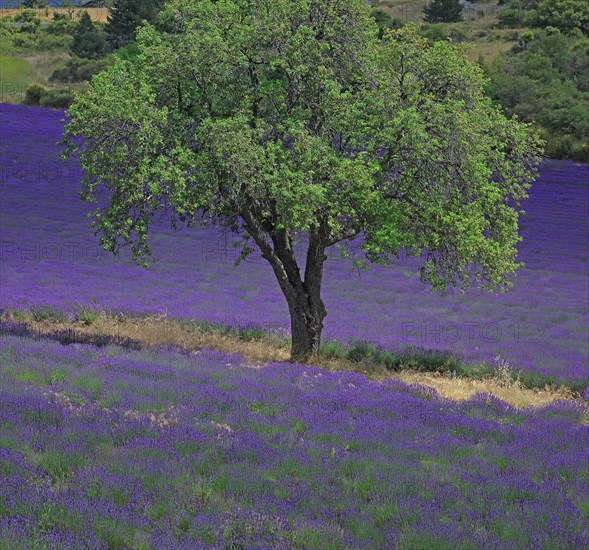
111,448
48,256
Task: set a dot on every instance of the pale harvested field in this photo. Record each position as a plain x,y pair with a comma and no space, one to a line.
97,14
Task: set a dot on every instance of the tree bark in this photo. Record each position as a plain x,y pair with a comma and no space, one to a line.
307,313
307,310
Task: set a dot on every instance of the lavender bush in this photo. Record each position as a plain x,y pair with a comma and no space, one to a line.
109,448
49,258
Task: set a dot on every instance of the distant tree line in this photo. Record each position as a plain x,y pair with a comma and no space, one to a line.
124,17
544,79
84,38
568,16
88,42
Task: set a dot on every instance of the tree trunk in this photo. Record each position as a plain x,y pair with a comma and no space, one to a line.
306,307
306,315
303,294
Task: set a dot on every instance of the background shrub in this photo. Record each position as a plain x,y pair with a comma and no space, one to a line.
56,98
33,94
61,27
510,18
78,70
26,16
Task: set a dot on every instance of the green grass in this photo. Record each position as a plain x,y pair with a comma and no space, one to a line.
49,313
56,376
93,385
59,465
86,315
15,75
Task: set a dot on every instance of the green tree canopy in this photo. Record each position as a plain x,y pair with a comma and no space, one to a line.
288,121
566,15
443,11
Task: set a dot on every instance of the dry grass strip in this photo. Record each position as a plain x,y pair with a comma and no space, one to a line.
161,331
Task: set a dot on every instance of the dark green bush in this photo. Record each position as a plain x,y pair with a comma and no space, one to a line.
333,350
510,18
536,379
434,33
40,41
389,359
361,351
57,98
566,146
435,361
61,27
45,42
78,70
26,16
33,94
49,313
30,27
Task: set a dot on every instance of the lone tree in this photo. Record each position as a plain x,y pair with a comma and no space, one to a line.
443,11
125,17
70,7
288,121
89,42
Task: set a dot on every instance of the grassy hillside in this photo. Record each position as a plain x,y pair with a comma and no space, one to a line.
478,27
15,75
